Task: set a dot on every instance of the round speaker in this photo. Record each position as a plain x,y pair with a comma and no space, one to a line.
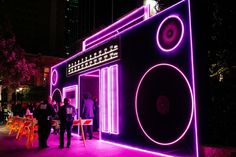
170,33
54,77
164,104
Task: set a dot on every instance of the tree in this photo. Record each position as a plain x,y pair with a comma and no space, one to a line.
15,70
222,69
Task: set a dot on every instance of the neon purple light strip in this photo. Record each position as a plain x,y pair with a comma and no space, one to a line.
112,34
104,104
90,75
71,88
193,79
54,72
136,149
140,12
136,110
109,102
109,99
114,99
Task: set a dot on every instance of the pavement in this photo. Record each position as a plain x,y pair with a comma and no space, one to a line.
10,147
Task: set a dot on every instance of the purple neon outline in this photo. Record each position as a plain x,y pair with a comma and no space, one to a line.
135,148
109,106
103,38
89,74
56,73
50,90
55,91
196,137
81,52
180,39
136,110
113,26
71,88
107,99
114,106
103,98
193,81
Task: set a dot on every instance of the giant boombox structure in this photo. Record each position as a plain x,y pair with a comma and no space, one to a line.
141,68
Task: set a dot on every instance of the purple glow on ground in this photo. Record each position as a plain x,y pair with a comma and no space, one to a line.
136,149
10,147
136,108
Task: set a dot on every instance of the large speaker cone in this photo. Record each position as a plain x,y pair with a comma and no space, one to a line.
170,33
164,105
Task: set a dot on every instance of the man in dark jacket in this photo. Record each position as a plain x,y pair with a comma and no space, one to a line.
88,113
44,114
66,115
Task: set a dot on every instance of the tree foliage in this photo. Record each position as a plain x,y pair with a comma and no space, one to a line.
222,69
15,70
221,47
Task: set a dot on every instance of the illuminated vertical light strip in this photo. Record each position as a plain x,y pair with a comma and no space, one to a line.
105,105
193,80
106,94
147,12
112,98
79,99
109,96
115,105
50,82
71,88
102,100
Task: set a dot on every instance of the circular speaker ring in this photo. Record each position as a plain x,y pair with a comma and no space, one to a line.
164,104
170,33
54,77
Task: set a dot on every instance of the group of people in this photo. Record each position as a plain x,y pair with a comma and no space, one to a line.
65,113
45,112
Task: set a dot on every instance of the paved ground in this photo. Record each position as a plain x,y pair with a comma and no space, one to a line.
10,147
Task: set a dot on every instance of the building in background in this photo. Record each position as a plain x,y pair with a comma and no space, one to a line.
38,25
85,17
57,27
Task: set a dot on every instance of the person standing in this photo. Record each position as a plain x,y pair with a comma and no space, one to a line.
88,113
44,113
66,115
